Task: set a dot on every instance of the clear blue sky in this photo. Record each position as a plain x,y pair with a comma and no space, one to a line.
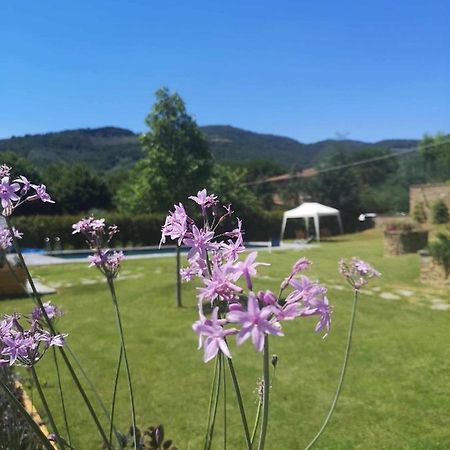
304,69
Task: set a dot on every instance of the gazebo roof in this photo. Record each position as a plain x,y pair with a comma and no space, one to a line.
311,209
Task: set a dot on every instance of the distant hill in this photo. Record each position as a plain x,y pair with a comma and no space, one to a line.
110,147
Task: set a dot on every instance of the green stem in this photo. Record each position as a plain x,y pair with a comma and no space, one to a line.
342,376
77,361
240,403
255,426
266,389
113,404
224,405
38,300
61,394
33,425
125,358
215,397
46,407
211,398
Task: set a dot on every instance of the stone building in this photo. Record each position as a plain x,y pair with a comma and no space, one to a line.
426,195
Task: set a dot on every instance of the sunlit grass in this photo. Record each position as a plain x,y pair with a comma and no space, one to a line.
396,395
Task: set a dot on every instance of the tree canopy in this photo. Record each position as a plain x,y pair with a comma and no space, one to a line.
177,160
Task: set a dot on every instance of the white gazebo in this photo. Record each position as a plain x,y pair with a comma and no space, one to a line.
310,210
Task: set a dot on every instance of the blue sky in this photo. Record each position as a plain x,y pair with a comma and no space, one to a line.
304,69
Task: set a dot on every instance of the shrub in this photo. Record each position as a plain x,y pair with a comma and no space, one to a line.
419,213
440,251
440,212
400,225
135,230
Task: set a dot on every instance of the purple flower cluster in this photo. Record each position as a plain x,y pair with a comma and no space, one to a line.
6,239
98,237
214,258
20,190
357,272
25,347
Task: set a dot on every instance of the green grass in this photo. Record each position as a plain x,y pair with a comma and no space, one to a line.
396,394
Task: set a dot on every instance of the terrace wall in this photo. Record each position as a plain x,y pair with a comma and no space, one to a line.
428,195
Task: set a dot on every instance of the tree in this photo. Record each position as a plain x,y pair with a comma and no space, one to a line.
77,188
177,160
436,154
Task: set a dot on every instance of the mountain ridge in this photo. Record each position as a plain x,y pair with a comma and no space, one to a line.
109,147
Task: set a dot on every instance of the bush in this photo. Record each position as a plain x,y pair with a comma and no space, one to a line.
400,225
135,230
419,213
440,251
440,212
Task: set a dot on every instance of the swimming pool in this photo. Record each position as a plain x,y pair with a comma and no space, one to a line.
165,250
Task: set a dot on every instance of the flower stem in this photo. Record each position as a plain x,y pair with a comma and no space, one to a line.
125,358
33,425
213,402
240,403
342,375
61,394
46,407
224,405
266,389
38,300
257,418
113,403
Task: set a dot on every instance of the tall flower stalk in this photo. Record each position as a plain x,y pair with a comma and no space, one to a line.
357,273
109,262
226,308
13,194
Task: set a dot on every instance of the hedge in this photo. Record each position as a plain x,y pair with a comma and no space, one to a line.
137,230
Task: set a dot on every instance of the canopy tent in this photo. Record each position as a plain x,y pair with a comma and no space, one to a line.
310,210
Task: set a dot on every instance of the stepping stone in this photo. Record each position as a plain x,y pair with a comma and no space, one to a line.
405,293
390,296
440,306
376,289
337,286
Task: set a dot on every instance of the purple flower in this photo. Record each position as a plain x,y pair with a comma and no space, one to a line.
212,335
203,199
219,285
89,226
8,193
302,264
25,184
231,250
357,272
247,268
200,243
52,311
6,240
41,194
175,225
4,171
255,323
107,262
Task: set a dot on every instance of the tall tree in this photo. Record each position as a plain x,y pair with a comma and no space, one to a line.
177,160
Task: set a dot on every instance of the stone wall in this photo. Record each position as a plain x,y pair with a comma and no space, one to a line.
431,272
428,195
401,242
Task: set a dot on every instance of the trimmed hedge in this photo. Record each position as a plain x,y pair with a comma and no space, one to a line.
138,230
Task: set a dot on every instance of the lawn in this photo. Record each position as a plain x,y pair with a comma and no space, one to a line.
396,394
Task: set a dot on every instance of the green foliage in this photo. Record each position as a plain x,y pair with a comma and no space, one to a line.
436,154
76,188
338,188
229,184
419,213
177,159
135,229
440,251
440,212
